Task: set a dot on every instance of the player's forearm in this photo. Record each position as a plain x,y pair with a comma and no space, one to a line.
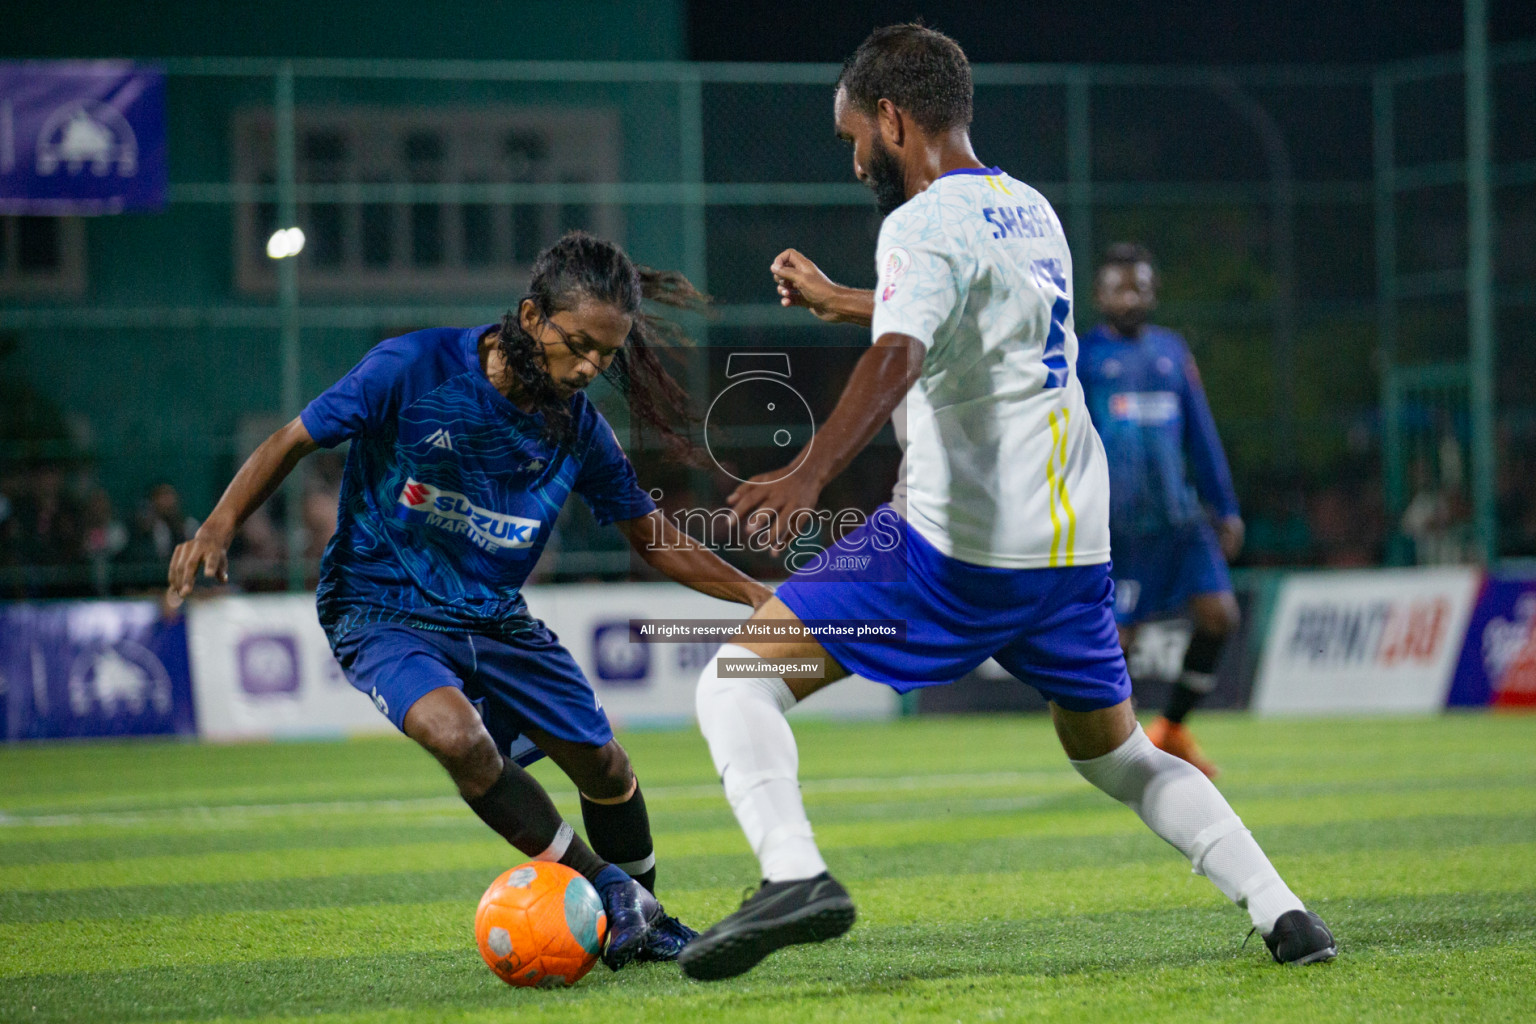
262,473
878,384
1207,459
681,558
852,306
1213,478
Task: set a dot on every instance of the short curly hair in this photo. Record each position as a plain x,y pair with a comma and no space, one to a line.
1127,254
920,69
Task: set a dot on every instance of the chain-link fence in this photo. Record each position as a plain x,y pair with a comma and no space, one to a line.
1310,224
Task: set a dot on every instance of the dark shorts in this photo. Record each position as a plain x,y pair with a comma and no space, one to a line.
516,683
1052,628
1156,575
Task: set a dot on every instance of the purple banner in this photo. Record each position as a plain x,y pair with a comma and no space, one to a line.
93,668
81,137
1498,661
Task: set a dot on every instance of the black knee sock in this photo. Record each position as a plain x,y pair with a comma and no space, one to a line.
621,834
1198,677
522,813
1181,701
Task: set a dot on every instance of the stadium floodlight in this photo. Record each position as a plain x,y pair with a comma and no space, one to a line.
285,242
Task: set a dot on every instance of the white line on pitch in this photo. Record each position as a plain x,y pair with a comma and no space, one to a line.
900,783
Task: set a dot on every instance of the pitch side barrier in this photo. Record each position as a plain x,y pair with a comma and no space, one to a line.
1375,641
1400,641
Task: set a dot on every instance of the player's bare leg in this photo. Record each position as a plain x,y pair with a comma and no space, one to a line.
1182,806
618,825
1215,617
753,747
612,804
517,807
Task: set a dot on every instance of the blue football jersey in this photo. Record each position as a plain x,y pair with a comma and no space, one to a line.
1147,402
449,492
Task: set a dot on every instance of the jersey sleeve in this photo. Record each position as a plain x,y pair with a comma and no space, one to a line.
363,402
919,285
1202,448
607,481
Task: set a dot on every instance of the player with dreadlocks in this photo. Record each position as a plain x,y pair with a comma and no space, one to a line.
465,446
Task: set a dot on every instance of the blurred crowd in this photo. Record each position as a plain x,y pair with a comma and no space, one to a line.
61,535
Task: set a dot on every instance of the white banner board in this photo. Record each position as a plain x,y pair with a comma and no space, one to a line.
653,683
1378,641
261,667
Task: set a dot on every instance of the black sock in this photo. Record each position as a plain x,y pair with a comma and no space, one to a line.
1198,677
579,857
1203,653
621,834
522,813
1181,701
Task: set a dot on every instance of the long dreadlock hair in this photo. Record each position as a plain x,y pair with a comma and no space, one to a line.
580,266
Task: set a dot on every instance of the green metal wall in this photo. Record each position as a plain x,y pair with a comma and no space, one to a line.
1311,224
467,29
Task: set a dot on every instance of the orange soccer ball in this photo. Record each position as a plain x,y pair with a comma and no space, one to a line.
540,925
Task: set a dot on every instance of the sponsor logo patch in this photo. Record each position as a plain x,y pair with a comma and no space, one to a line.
895,266
452,511
1148,408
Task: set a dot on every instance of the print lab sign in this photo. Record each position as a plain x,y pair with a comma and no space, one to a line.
1372,641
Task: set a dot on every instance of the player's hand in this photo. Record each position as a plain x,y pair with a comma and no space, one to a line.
209,551
801,283
1230,533
767,502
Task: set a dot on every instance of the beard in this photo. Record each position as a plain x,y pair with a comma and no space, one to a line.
886,179
1128,324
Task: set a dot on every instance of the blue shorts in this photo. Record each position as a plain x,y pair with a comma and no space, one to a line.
517,683
1157,574
1052,628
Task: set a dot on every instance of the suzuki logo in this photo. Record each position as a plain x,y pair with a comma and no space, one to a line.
454,512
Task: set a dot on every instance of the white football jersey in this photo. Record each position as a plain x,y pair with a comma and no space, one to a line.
1002,465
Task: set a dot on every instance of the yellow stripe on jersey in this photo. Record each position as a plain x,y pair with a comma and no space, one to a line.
1056,485
1051,487
1066,500
997,184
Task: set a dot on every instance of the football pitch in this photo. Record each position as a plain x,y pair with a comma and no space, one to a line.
338,881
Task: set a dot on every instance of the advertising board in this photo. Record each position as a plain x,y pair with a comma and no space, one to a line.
261,668
1498,661
1368,641
652,683
93,668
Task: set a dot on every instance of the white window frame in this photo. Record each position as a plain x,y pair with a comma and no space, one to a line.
582,145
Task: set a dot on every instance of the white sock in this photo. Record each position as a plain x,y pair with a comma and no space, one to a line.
1181,805
754,751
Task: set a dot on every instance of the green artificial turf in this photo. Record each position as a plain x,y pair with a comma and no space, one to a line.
167,881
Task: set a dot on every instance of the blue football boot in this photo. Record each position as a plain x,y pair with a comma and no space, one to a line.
632,914
667,938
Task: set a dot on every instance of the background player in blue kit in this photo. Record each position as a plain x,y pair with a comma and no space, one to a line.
465,446
1147,401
